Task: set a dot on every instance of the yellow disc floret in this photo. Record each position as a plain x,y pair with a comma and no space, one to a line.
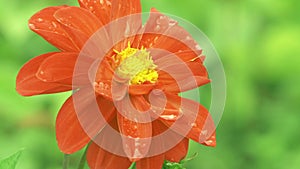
135,65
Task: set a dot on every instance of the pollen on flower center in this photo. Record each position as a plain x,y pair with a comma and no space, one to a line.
135,65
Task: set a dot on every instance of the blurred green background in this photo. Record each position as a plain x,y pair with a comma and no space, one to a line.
259,44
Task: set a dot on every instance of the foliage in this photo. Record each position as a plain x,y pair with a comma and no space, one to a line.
11,161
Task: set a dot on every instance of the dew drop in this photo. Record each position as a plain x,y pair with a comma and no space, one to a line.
204,133
127,30
169,117
40,20
172,22
157,28
198,47
32,26
188,38
194,125
209,142
54,24
137,153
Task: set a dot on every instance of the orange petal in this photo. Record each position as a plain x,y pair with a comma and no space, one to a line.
197,67
124,29
136,137
176,76
104,71
179,152
210,141
44,24
155,162
58,68
136,129
163,32
101,9
195,123
27,84
141,89
184,85
173,64
70,133
98,158
79,19
121,8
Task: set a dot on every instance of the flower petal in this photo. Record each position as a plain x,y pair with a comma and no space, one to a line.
127,21
121,8
101,9
44,24
135,127
179,152
176,76
195,123
141,89
79,19
71,133
173,64
27,84
136,137
162,32
58,68
185,84
98,158
155,162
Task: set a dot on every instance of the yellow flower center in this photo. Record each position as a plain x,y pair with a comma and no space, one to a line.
135,65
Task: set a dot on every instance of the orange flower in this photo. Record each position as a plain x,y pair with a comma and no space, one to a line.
135,84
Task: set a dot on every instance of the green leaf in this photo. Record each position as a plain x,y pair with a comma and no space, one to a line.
11,161
171,165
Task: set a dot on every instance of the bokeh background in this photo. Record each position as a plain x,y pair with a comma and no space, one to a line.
259,44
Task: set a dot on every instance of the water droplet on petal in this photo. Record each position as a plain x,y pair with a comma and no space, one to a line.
172,22
127,29
157,28
54,24
198,47
169,117
188,38
193,125
204,133
209,142
40,20
32,26
137,153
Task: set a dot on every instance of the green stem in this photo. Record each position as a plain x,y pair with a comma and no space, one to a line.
132,166
66,161
83,159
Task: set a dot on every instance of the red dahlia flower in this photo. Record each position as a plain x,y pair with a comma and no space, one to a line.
125,77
